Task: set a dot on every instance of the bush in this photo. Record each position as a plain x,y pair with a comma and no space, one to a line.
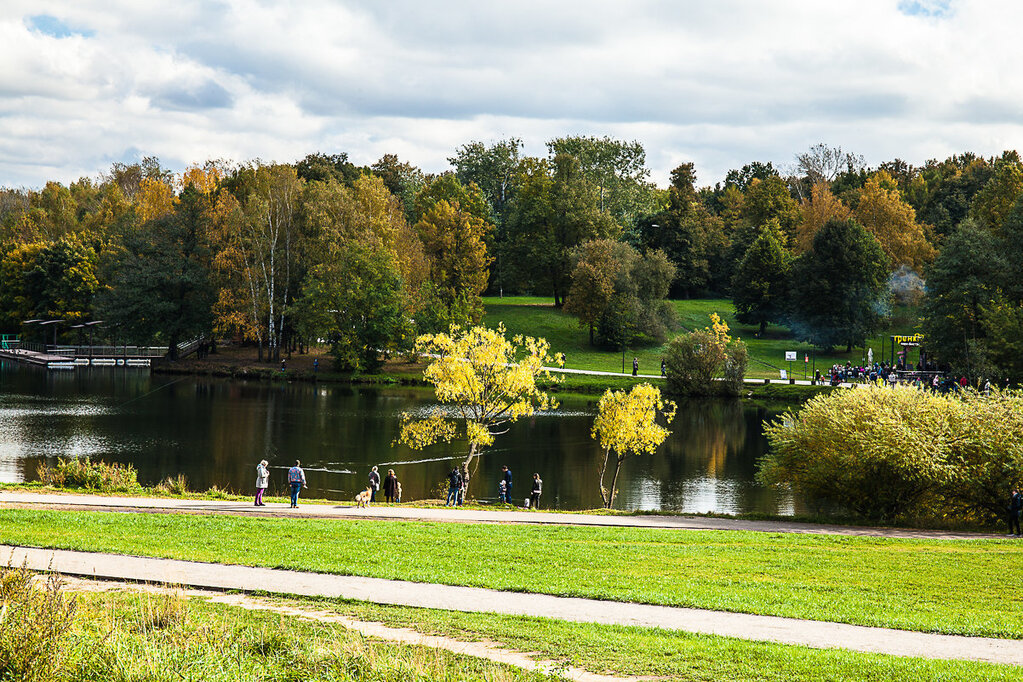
736,362
175,485
35,627
884,453
691,361
84,473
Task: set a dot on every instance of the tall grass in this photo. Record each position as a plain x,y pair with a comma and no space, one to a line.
48,636
84,473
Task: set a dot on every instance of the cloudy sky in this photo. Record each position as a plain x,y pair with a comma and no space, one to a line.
86,83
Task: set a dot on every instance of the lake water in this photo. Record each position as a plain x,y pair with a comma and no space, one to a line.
215,431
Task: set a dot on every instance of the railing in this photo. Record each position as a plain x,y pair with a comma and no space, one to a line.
10,341
186,348
108,351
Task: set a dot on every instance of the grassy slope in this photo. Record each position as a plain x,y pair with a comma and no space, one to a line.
897,583
537,317
144,637
662,653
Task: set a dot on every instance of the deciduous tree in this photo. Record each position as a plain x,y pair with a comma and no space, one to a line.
627,425
483,382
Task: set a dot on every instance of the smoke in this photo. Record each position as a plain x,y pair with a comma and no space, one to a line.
906,287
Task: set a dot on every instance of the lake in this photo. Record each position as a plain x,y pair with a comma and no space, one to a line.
215,431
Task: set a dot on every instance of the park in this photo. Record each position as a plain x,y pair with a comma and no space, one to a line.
312,368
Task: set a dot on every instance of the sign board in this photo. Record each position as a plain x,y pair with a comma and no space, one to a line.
784,374
790,355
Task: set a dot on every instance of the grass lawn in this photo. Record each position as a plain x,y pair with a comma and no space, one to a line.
125,637
610,649
537,316
961,587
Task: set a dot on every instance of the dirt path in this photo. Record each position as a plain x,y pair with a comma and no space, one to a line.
816,634
490,651
17,499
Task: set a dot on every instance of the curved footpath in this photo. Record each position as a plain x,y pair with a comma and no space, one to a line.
17,499
814,634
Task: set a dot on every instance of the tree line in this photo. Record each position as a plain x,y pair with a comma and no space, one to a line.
368,257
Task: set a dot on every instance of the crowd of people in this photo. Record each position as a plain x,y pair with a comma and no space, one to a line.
922,375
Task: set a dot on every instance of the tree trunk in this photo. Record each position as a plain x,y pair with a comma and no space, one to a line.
603,491
591,334
763,328
614,482
465,467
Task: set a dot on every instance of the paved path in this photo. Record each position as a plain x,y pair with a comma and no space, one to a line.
450,514
814,634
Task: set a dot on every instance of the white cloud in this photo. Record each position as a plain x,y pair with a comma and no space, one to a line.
719,84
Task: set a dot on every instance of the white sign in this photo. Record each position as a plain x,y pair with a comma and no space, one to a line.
784,374
790,355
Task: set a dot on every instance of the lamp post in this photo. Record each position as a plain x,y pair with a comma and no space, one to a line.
54,323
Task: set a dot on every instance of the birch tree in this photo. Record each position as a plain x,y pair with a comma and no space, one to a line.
269,248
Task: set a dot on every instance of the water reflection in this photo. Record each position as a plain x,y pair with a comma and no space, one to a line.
215,431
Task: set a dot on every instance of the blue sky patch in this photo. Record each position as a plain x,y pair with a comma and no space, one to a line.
52,26
936,9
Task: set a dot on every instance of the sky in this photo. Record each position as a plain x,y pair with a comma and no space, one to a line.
87,83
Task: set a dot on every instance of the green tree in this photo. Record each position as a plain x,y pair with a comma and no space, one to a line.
690,236
160,285
555,210
618,172
354,300
839,286
992,203
963,279
324,167
493,169
404,181
48,279
761,285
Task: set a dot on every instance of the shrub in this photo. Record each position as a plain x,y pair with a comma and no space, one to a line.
736,362
691,361
175,485
885,453
84,473
35,627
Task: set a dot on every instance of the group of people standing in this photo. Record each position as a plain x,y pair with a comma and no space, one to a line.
392,487
296,481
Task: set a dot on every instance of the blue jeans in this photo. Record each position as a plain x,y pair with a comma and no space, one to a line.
452,497
507,494
295,487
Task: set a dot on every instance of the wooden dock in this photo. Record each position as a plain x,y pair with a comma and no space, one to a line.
32,357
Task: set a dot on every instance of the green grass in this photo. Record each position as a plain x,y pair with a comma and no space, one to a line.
536,316
122,637
959,587
620,650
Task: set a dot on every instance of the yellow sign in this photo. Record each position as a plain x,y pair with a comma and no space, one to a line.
915,338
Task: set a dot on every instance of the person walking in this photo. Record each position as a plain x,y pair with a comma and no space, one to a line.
374,484
296,479
507,484
1015,505
262,480
664,368
534,495
635,366
454,487
390,486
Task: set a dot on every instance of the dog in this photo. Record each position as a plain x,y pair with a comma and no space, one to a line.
362,499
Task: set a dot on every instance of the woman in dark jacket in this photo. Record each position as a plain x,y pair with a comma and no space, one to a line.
534,494
390,486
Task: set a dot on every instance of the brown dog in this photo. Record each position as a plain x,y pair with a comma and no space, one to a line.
362,499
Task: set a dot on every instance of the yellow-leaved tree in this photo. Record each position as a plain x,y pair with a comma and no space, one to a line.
484,382
626,424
